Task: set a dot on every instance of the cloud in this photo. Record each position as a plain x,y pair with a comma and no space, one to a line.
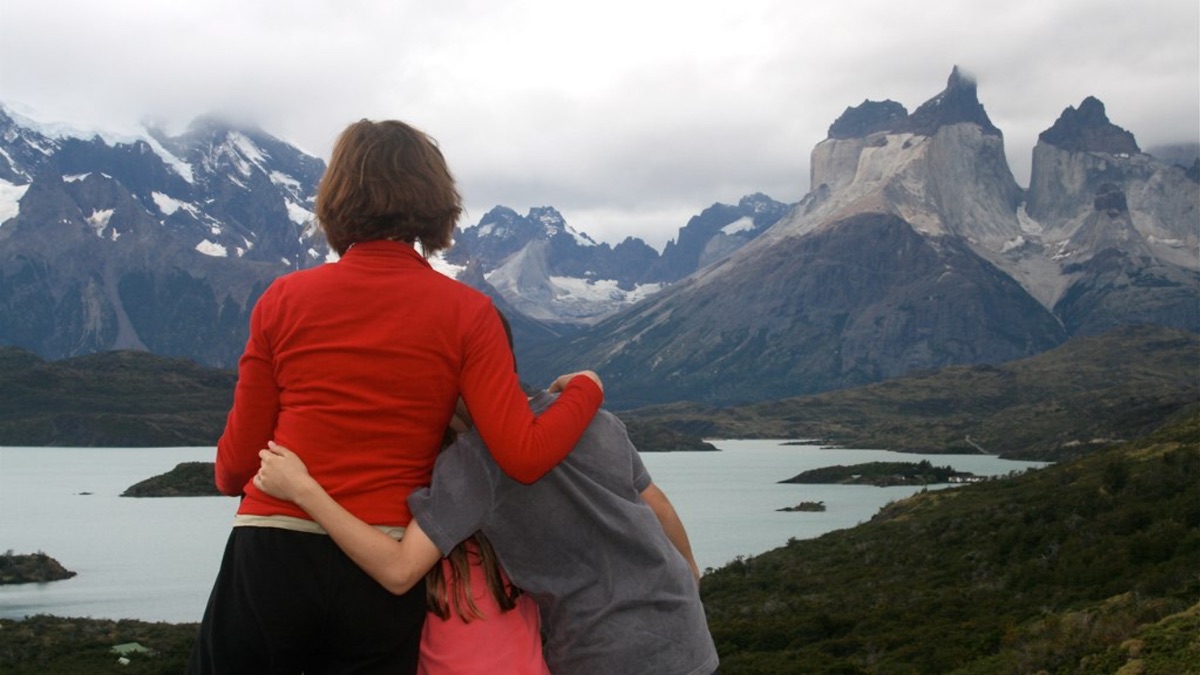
628,116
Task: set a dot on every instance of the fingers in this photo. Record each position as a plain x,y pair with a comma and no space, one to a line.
561,383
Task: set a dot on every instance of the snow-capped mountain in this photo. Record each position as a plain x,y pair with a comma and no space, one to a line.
147,242
548,271
163,242
916,249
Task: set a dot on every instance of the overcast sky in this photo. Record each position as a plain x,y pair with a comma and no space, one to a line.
628,116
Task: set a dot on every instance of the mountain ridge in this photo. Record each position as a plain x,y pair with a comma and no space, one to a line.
1099,240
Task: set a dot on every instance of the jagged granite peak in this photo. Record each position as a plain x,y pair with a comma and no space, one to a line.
867,118
943,169
1087,129
1092,193
956,104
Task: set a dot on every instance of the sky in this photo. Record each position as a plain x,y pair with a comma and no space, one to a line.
628,116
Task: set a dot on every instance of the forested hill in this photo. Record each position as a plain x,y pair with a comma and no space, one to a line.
138,399
1085,395
115,399
1087,567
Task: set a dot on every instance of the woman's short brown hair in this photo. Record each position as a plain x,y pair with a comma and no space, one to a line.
387,180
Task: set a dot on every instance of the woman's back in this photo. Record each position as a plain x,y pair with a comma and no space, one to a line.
366,356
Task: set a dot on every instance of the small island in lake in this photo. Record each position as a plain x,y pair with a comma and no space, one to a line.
804,506
189,479
31,568
884,474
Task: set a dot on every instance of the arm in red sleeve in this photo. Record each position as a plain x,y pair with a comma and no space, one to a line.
251,422
524,445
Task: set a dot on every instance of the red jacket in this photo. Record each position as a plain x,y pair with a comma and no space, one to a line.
356,366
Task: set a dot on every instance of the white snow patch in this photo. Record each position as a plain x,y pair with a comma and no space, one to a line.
247,149
174,163
285,180
166,205
12,162
1173,243
1028,225
1063,252
438,262
298,214
1013,244
75,178
213,249
10,200
743,224
99,220
485,230
599,290
580,238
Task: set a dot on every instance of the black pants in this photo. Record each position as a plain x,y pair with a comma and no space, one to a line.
291,602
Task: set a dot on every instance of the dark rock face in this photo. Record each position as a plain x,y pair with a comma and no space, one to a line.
1111,200
1087,129
867,118
1115,288
958,103
704,239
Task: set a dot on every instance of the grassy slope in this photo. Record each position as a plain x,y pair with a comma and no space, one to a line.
123,399
1075,568
1087,394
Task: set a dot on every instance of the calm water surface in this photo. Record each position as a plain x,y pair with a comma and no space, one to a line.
155,559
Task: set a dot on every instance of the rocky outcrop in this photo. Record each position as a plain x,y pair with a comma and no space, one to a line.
32,568
188,479
1088,129
867,118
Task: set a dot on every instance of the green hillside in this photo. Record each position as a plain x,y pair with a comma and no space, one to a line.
1087,394
118,399
1082,567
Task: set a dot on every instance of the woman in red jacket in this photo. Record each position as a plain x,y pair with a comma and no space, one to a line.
356,366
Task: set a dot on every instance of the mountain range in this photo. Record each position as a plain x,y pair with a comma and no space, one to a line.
163,243
914,249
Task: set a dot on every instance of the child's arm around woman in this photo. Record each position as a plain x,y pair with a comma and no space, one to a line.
396,565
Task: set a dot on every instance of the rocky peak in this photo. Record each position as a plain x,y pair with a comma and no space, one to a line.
1087,129
957,103
25,149
867,118
499,223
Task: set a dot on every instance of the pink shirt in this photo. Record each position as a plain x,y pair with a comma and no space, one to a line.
501,643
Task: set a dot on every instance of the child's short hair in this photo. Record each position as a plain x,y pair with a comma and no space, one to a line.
387,180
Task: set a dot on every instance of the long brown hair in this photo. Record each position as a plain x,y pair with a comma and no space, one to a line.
387,180
441,599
